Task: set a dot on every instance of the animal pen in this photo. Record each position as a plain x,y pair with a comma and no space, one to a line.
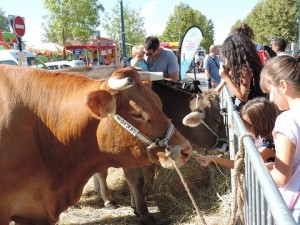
263,203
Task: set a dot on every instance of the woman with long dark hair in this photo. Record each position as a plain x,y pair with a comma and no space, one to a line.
241,68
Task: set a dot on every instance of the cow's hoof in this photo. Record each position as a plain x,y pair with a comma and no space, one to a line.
134,211
110,205
147,220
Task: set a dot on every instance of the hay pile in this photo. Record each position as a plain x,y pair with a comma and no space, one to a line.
205,184
166,196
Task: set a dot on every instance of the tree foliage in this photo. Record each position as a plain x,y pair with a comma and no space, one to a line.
182,19
71,20
133,24
274,18
4,24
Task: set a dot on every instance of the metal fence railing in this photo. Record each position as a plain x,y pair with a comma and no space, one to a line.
264,204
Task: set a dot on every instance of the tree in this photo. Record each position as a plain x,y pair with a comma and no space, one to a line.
133,24
71,20
274,18
182,19
4,24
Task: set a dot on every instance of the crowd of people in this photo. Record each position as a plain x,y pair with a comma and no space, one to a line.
266,92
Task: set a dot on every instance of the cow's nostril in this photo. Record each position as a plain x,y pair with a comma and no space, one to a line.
186,152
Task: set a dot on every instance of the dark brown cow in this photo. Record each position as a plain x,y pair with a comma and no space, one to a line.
177,104
57,130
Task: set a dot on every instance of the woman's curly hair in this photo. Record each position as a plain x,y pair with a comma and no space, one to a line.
244,29
240,53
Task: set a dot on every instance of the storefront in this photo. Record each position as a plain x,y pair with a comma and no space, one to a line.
104,50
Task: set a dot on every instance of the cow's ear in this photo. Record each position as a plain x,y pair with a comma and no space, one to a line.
193,119
102,103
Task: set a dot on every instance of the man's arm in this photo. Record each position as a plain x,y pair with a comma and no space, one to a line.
206,67
173,68
173,77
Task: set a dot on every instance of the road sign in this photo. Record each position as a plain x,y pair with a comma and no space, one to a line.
77,52
19,26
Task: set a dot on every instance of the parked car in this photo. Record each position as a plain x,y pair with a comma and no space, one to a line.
11,57
64,64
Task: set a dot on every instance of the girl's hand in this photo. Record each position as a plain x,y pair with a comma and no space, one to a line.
204,160
270,165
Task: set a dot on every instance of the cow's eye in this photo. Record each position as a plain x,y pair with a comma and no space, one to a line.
217,122
137,116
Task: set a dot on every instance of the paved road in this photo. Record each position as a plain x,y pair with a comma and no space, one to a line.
199,76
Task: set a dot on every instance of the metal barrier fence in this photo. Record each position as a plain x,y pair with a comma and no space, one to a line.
264,204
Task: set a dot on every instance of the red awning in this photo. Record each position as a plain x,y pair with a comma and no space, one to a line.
169,44
88,47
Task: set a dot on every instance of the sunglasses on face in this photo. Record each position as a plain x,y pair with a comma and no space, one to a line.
149,54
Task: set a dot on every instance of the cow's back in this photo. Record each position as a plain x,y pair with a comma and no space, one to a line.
38,126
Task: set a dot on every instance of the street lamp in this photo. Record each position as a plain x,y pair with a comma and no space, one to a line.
179,21
123,34
63,30
298,24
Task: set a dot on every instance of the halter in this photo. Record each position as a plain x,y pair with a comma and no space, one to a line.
218,139
164,143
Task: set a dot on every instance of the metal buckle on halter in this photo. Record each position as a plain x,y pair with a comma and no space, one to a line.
164,143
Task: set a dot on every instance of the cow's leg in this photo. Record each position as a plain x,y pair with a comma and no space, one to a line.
135,180
101,188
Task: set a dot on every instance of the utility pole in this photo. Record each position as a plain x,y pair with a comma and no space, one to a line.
63,29
298,24
123,35
179,23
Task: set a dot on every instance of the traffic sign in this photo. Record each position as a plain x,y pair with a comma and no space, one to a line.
18,26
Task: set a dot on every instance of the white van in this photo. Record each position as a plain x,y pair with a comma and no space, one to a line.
11,57
64,64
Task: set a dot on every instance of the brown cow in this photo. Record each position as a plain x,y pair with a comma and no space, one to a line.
176,104
209,133
57,130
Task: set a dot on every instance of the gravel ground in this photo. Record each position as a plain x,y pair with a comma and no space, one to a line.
90,209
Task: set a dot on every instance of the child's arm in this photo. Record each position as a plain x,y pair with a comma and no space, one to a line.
220,86
270,165
205,160
284,159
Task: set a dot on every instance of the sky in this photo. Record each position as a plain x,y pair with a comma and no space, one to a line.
223,13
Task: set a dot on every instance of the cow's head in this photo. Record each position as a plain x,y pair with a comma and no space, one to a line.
206,115
124,101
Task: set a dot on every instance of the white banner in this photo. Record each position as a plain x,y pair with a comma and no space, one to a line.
189,45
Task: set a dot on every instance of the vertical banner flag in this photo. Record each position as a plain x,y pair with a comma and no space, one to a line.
190,42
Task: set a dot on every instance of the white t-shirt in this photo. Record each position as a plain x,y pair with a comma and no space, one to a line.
288,123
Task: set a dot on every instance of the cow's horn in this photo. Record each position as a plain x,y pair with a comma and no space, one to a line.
120,84
145,75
